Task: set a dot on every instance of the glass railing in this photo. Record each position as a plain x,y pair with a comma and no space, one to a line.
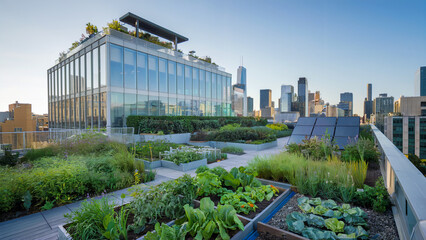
406,186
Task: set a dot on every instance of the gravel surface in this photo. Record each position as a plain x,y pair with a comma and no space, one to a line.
379,223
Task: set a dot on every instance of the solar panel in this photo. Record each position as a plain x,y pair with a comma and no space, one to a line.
303,130
348,121
310,121
346,131
343,141
322,130
297,139
326,121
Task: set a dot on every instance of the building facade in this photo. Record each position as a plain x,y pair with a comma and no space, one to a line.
250,106
238,98
265,98
114,75
302,96
408,133
411,106
420,82
346,103
287,93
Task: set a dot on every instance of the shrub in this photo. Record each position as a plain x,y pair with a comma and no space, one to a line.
231,126
186,124
199,136
9,158
34,154
363,149
152,149
87,143
283,133
232,150
314,148
97,218
417,163
243,135
376,197
277,126
366,132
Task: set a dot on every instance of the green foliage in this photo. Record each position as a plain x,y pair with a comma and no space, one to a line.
207,183
363,149
277,126
187,124
9,158
35,154
343,219
284,133
163,200
366,132
91,29
314,148
328,179
376,197
182,156
62,179
232,150
231,126
256,135
165,232
151,150
87,222
358,171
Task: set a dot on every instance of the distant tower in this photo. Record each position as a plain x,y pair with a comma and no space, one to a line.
302,96
420,82
287,92
368,102
242,83
369,92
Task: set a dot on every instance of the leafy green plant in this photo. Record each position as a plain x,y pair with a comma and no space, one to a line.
364,149
180,157
26,200
232,150
334,225
152,149
165,232
376,197
207,183
34,154
231,126
9,158
277,126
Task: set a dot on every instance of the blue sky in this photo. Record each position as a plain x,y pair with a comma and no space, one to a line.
339,45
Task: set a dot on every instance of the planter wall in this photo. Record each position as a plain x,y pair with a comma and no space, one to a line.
184,166
182,138
149,164
244,146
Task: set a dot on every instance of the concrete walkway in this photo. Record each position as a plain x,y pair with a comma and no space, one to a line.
44,225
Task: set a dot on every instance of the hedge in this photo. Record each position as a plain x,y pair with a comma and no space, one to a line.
187,124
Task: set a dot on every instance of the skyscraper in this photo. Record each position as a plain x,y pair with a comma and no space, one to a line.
249,106
382,106
265,98
346,103
368,102
242,76
420,82
287,92
369,92
302,96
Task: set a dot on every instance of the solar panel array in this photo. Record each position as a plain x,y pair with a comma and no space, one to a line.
342,130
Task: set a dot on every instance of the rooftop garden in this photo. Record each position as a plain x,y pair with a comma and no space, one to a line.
92,30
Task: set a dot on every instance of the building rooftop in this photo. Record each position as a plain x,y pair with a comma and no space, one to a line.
151,27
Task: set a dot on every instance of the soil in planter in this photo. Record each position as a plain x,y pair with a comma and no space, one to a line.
373,173
260,205
379,223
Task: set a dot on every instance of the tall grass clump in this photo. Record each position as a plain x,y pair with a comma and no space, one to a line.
327,179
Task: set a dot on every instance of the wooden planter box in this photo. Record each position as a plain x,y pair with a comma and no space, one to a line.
184,166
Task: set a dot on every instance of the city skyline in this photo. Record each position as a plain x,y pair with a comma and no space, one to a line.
340,47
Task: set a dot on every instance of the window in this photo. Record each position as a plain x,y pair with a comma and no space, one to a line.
18,129
117,111
172,107
116,65
202,83
153,105
195,81
142,105
153,73
129,69
142,73
208,85
423,104
96,68
102,64
219,88
423,112
188,80
162,69
172,77
129,105
214,86
180,79
163,102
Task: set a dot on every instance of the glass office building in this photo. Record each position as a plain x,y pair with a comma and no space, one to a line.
114,75
287,93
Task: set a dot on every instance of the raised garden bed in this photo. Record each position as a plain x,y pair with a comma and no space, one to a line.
381,225
244,146
150,164
182,138
184,166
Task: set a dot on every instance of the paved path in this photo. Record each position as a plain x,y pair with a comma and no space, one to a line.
44,225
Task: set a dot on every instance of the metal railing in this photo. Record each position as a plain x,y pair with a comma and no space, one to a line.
40,139
406,186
